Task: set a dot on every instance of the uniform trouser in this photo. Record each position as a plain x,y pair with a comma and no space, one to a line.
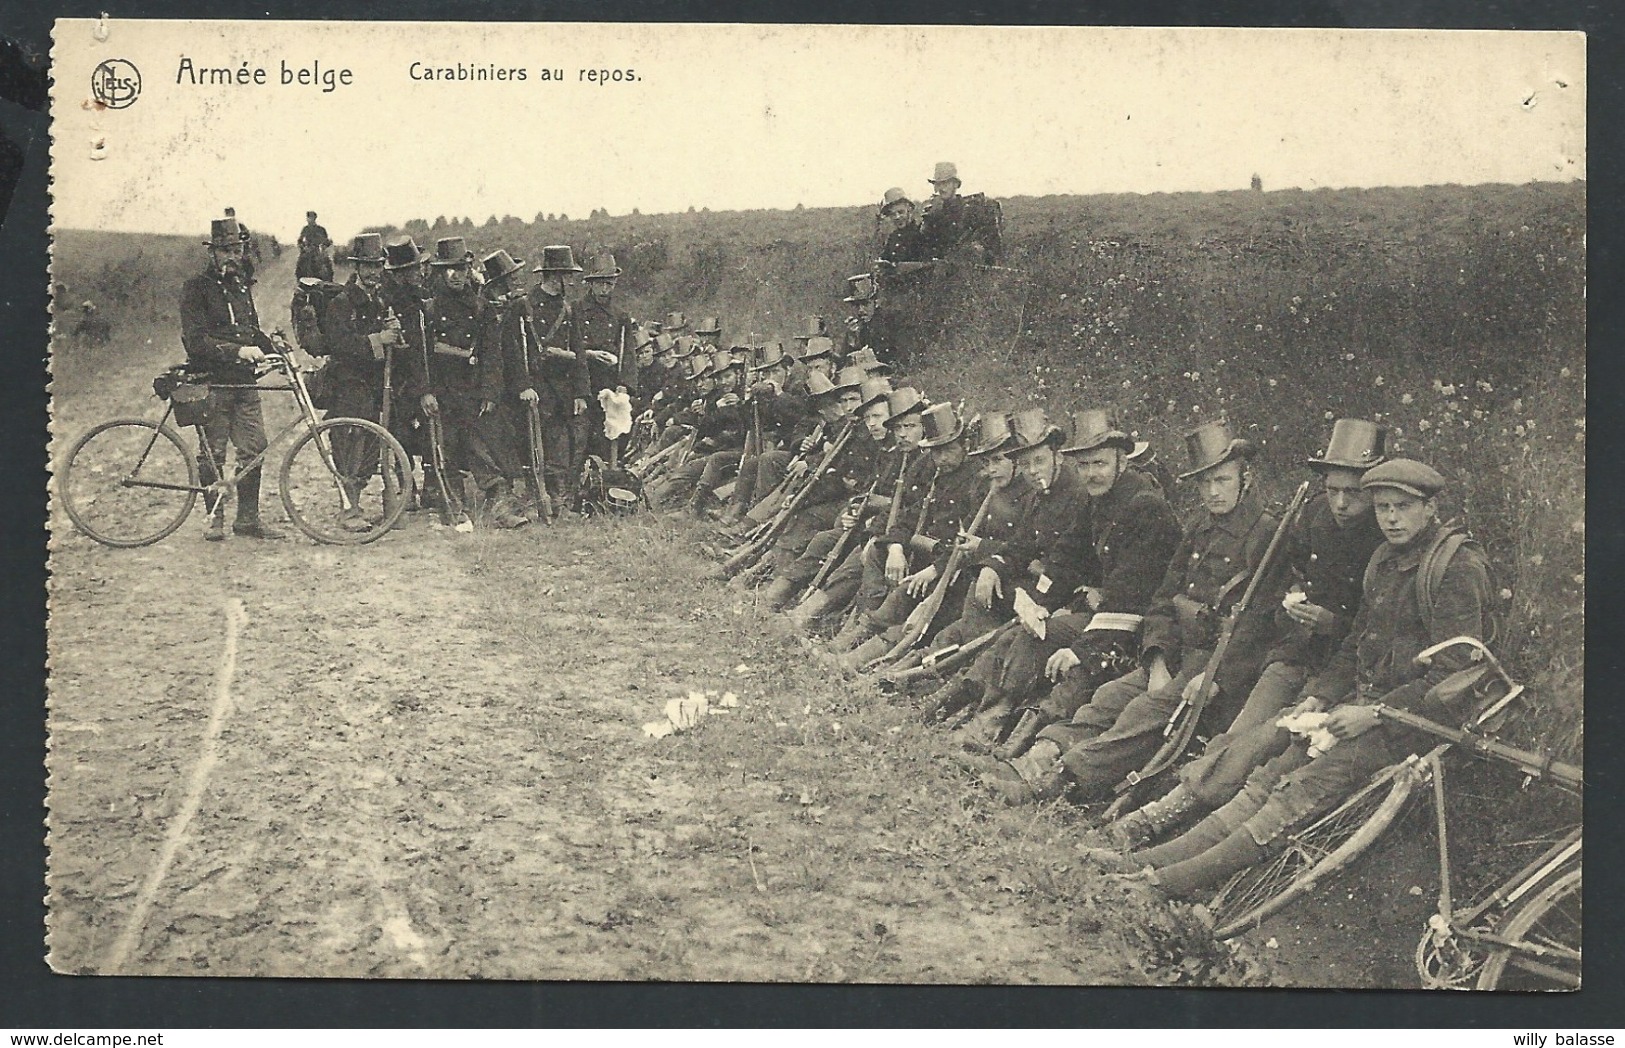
1104,655
1121,724
1011,670
758,475
562,433
974,619
818,549
1251,740
354,396
799,530
846,579
699,476
234,417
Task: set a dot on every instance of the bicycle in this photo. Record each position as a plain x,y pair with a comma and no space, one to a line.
132,482
1525,934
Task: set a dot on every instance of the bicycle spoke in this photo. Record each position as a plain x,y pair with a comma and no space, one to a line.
128,482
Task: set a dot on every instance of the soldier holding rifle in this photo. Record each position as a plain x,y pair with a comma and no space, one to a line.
505,344
550,379
407,311
451,379
1121,725
719,432
359,340
602,334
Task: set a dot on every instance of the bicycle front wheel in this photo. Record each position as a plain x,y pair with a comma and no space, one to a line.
343,481
1316,851
128,482
1547,928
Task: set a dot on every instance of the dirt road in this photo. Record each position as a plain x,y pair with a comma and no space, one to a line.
424,758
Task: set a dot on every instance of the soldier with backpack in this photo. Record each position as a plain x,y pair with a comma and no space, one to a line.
960,228
1427,583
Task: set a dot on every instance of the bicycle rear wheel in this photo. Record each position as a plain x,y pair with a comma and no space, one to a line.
333,487
128,482
1549,925
1319,849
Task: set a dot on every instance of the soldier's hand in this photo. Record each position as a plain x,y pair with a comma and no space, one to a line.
727,400
1060,663
798,468
1350,722
988,587
896,564
392,323
1318,619
1091,596
848,519
919,583
580,407
391,336
852,324
250,354
603,356
808,442
1308,704
968,542
528,396
431,406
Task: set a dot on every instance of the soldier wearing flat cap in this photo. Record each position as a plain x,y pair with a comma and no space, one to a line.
221,332
1426,583
1326,549
603,334
1120,725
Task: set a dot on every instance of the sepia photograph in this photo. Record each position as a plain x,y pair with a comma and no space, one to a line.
817,504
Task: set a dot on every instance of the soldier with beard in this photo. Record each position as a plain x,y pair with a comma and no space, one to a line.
358,336
223,340
552,373
602,335
504,344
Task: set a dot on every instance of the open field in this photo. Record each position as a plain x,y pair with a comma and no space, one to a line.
427,756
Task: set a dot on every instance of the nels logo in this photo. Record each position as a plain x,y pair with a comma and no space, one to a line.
115,83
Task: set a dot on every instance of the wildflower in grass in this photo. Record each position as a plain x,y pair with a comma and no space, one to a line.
1407,399
1485,387
1380,381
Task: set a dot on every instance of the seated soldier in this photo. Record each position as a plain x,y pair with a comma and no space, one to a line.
863,558
905,249
1121,724
958,227
1326,550
719,431
1094,636
780,419
865,466
1427,583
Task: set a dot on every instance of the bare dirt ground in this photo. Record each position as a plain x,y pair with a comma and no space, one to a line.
424,758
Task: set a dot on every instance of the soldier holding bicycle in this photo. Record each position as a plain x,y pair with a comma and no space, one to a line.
221,332
1426,583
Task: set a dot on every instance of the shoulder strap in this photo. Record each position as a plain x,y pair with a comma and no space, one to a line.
1436,560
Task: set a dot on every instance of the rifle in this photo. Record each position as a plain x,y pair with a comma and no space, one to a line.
538,458
919,620
857,507
773,501
1182,722
386,462
947,659
756,546
437,452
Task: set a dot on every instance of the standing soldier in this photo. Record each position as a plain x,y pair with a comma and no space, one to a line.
406,301
504,343
358,337
602,335
221,332
552,374
448,377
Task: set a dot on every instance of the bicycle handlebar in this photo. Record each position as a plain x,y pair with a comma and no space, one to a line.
1535,765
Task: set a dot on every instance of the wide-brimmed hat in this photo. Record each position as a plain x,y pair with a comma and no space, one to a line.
1031,428
865,358
708,326
942,425
664,343
992,433
223,232
850,378
451,251
1211,444
602,267
1096,428
812,327
894,195
722,360
499,264
366,249
687,346
676,323
1355,444
904,402
1408,475
945,172
819,385
772,355
874,390
644,336
558,258
699,365
818,346
862,288
402,252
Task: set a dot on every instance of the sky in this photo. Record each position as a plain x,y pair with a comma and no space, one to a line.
741,116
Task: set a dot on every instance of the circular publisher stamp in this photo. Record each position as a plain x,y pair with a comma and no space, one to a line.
116,83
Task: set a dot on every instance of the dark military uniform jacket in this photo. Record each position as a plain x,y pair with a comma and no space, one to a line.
905,244
555,378
671,391
218,319
891,474
950,226
453,366
852,470
1208,572
722,425
352,315
415,310
1329,562
936,504
604,327
1376,661
1056,533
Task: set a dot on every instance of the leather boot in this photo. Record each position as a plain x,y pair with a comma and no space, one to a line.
1206,871
504,511
953,698
1150,821
1022,735
1030,779
779,593
1193,842
871,648
982,731
805,615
